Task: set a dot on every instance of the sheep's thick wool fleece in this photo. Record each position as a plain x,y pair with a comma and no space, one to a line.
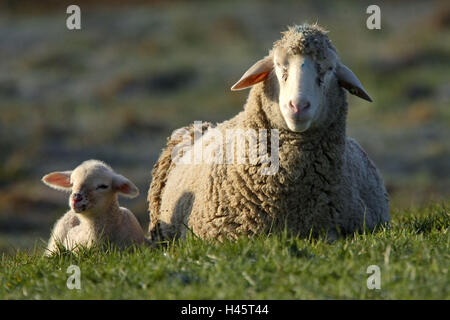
308,40
325,182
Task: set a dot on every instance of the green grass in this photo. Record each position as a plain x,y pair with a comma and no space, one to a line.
123,71
413,256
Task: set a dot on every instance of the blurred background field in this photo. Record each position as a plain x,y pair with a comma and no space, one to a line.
116,89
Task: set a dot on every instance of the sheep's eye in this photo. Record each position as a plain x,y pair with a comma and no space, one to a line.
319,81
285,74
102,186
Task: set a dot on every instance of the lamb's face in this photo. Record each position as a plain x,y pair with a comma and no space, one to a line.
93,186
303,84
92,190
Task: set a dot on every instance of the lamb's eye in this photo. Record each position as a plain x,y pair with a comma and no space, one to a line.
102,186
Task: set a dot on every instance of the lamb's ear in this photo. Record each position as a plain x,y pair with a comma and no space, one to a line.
257,73
124,186
58,180
348,80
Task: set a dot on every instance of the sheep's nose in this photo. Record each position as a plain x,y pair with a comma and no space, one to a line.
77,197
301,106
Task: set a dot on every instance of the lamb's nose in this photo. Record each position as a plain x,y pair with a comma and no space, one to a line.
301,106
77,197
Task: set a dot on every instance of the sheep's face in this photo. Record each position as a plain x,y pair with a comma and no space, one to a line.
93,185
303,83
307,70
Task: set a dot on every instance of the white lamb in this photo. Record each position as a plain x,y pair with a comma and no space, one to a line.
94,215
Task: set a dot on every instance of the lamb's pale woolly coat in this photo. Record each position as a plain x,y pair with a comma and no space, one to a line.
325,182
118,226
103,220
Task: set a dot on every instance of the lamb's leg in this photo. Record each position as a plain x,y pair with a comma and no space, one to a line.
59,232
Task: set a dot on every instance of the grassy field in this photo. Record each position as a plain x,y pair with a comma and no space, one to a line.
413,256
115,91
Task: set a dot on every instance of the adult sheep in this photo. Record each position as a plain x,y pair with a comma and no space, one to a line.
324,182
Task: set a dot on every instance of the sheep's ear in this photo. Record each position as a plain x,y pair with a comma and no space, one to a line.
58,180
257,73
124,186
348,80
